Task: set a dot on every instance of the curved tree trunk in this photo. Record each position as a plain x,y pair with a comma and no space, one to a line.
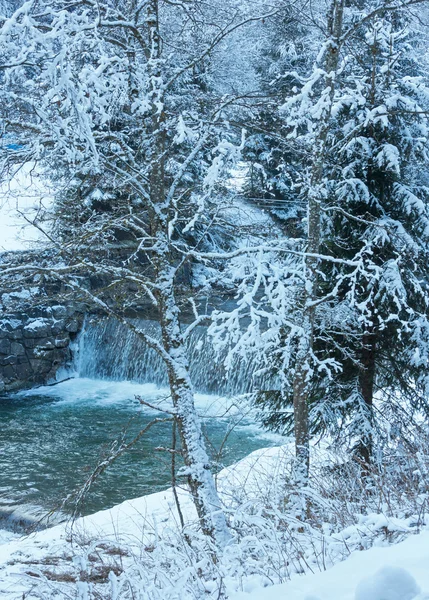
163,259
200,479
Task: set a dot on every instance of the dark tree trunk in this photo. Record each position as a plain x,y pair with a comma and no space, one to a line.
366,388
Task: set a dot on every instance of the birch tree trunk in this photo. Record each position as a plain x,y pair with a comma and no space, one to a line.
303,371
200,479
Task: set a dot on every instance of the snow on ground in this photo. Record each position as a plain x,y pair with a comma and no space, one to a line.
388,572
128,520
238,177
396,572
241,211
7,536
25,195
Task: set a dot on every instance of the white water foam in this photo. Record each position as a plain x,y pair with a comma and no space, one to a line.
82,390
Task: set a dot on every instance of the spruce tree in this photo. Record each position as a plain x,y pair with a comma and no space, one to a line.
360,120
372,315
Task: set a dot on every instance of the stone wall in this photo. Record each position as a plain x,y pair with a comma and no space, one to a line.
35,344
37,328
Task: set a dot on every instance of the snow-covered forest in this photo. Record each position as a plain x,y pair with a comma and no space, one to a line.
214,203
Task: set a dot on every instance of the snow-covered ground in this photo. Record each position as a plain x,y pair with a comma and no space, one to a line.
385,572
396,572
26,196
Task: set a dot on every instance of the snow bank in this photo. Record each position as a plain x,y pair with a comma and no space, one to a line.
383,573
389,583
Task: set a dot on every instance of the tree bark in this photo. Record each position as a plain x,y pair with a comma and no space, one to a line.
303,374
366,387
197,464
200,479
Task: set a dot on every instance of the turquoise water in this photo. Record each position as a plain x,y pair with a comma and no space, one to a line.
52,438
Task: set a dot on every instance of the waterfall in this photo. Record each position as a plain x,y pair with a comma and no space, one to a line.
108,349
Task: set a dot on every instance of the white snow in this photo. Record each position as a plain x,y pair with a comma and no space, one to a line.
238,176
36,324
389,583
388,572
7,536
12,323
8,299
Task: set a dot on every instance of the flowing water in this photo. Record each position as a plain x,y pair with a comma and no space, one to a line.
109,350
52,437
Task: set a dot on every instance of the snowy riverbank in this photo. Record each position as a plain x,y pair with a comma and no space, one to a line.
24,561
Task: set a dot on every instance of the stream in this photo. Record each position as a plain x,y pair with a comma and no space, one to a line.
53,437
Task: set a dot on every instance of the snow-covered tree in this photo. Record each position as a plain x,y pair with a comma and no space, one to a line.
113,101
377,217
275,166
358,275
284,284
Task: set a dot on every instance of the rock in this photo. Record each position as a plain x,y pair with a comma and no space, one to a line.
62,342
17,334
58,327
10,324
46,354
22,358
34,343
29,343
15,385
46,343
73,326
24,371
17,349
40,366
8,372
59,312
38,328
4,346
8,360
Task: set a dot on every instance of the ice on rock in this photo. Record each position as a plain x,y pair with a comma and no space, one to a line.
389,583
